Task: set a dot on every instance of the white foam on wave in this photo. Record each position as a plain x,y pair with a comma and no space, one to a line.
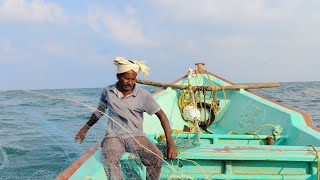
4,158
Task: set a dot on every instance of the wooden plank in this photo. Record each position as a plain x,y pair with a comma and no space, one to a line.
259,152
209,88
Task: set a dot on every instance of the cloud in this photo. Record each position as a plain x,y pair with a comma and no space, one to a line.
121,28
228,11
55,49
252,27
6,47
31,11
235,41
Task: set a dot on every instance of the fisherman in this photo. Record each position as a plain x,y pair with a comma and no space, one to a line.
125,104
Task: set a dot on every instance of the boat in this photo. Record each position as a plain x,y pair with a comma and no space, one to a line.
240,135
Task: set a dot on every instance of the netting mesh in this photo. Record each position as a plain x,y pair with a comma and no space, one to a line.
137,162
144,161
147,154
181,144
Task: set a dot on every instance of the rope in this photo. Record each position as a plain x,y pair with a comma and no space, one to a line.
95,109
317,156
185,100
277,129
213,87
248,133
256,136
199,166
225,106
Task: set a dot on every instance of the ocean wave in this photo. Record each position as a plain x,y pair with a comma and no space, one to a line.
3,158
14,151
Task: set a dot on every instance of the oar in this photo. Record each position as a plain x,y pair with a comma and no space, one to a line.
209,88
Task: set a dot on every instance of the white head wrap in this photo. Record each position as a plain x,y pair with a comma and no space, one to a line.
124,65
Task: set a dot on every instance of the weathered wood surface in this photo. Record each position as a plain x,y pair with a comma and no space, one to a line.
217,88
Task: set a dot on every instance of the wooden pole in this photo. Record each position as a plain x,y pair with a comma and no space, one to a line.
209,88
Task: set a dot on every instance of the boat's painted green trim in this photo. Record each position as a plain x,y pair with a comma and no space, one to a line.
248,152
93,167
226,162
247,177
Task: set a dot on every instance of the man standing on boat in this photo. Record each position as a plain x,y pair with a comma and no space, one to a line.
125,104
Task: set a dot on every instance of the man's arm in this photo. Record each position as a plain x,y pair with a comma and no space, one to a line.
93,119
171,149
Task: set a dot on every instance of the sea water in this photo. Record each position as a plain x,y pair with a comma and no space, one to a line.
37,132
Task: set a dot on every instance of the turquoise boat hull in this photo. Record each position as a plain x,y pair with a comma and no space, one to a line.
231,150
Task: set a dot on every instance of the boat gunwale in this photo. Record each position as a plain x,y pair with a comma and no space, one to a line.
67,173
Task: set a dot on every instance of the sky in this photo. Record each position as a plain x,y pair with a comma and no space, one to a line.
48,44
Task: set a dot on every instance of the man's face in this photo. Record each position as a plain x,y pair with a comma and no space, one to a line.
127,80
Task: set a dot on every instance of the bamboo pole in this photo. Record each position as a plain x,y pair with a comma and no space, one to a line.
209,88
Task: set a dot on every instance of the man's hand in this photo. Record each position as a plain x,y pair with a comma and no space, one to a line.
171,151
81,134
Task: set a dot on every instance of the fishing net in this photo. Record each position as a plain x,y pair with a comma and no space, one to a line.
37,132
147,155
182,144
45,123
138,162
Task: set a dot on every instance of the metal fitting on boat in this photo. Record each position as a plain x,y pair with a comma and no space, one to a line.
269,140
180,165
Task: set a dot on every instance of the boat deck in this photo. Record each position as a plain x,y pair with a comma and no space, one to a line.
223,157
